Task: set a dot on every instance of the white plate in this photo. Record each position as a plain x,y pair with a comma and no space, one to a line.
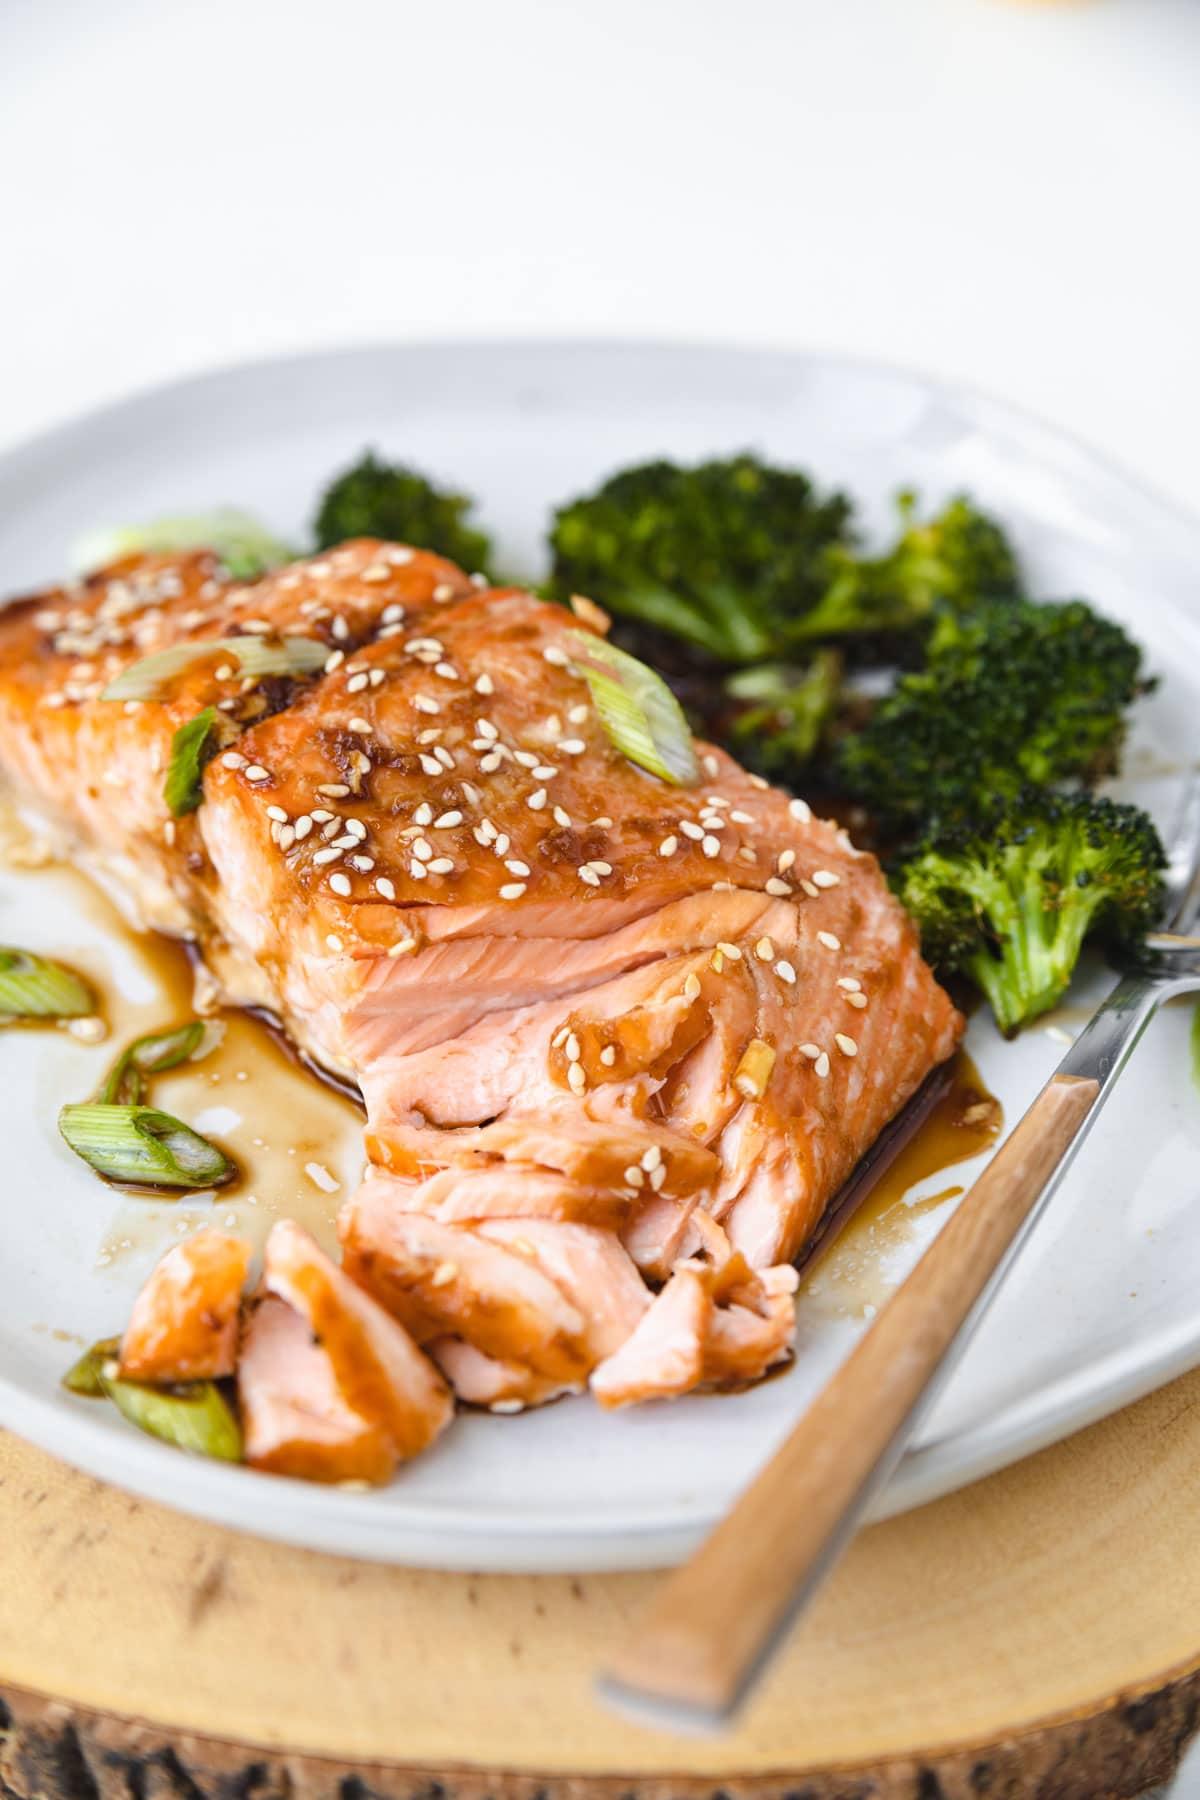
1102,1308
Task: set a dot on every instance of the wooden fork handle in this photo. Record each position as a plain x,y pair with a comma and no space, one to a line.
711,1622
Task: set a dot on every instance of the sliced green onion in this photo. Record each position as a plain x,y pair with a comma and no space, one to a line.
246,548
192,1415
191,748
84,1377
33,987
143,1146
152,1055
638,711
256,656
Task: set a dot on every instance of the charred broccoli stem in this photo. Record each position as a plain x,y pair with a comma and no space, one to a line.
727,556
781,713
1011,905
387,500
1011,693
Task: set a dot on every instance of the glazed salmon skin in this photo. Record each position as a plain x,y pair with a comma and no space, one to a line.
613,1035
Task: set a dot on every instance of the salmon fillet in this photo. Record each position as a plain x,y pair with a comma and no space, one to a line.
612,1035
184,1323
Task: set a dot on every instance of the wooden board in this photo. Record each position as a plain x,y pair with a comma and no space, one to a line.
1037,1634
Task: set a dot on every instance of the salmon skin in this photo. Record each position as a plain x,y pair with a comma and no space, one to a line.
620,1042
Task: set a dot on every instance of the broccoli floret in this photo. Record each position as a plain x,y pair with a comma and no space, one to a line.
947,562
727,556
781,713
246,548
1011,905
1012,693
388,500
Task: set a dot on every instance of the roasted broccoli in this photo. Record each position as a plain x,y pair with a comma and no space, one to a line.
1011,904
728,556
781,712
388,500
1011,693
947,562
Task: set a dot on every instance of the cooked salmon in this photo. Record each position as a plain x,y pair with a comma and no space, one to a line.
620,1042
184,1323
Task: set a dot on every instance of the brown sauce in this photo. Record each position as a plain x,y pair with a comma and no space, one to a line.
868,1253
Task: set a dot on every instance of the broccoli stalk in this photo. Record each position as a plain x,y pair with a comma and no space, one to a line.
1011,693
782,713
951,560
725,557
1011,905
387,500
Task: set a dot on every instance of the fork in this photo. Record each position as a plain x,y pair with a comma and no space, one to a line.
714,1622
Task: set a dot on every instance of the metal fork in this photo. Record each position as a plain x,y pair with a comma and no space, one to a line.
714,1622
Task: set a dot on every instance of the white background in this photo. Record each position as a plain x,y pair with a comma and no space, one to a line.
997,191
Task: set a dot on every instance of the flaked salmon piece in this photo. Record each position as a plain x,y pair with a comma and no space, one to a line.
184,1323
590,1267
449,1281
664,1355
379,1371
295,1419
481,1380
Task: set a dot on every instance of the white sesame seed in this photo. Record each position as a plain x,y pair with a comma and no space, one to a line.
537,800
784,860
441,865
825,878
333,941
822,1065
232,759
356,684
778,889
340,884
808,888
571,746
403,945
543,771
360,726
711,846
376,677
256,772
800,809
422,849
572,1047
657,1177
560,1037
576,1077
448,820
858,1000
417,870
845,1044
562,817
851,983
470,793
516,867
333,790
424,704
830,942
430,764
712,767
730,950
485,684
224,672
577,715
652,1159
691,830
287,836
608,1055
500,846
633,1176
489,764
443,1275
486,729
446,670
785,971
340,629
526,758
764,950
356,828
424,814
669,846
321,815
512,890
588,876
277,812
552,654
742,818
376,572
691,987
385,887
812,1051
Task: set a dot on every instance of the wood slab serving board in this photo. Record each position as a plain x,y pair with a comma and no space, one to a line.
1035,1635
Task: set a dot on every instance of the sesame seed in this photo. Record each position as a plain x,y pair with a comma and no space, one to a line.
232,759
779,889
256,772
340,884
691,830
800,809
448,820
691,987
362,863
711,846
851,983
512,890
577,715
845,1044
340,629
444,1274
657,1177
287,836
224,672
321,815
277,812
516,867
402,946
443,591
825,878
361,726
376,678
485,684
608,1055
712,767
572,746
764,950
830,942
392,615
717,961
417,870
376,572
858,1000
470,793
422,849
576,1077
430,764
784,860
526,758
785,971
537,800
333,790
169,832
500,847
822,1065
441,865
356,828
543,771
423,815
588,876
446,670
552,654
489,764
812,1051
652,1159
356,684
385,887
730,950
742,818
424,704
334,942
486,729
808,888
633,1176
562,817
573,1049
669,846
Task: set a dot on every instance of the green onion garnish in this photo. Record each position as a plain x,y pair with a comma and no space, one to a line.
246,548
192,1415
640,714
191,747
143,1146
33,987
152,1055
256,657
